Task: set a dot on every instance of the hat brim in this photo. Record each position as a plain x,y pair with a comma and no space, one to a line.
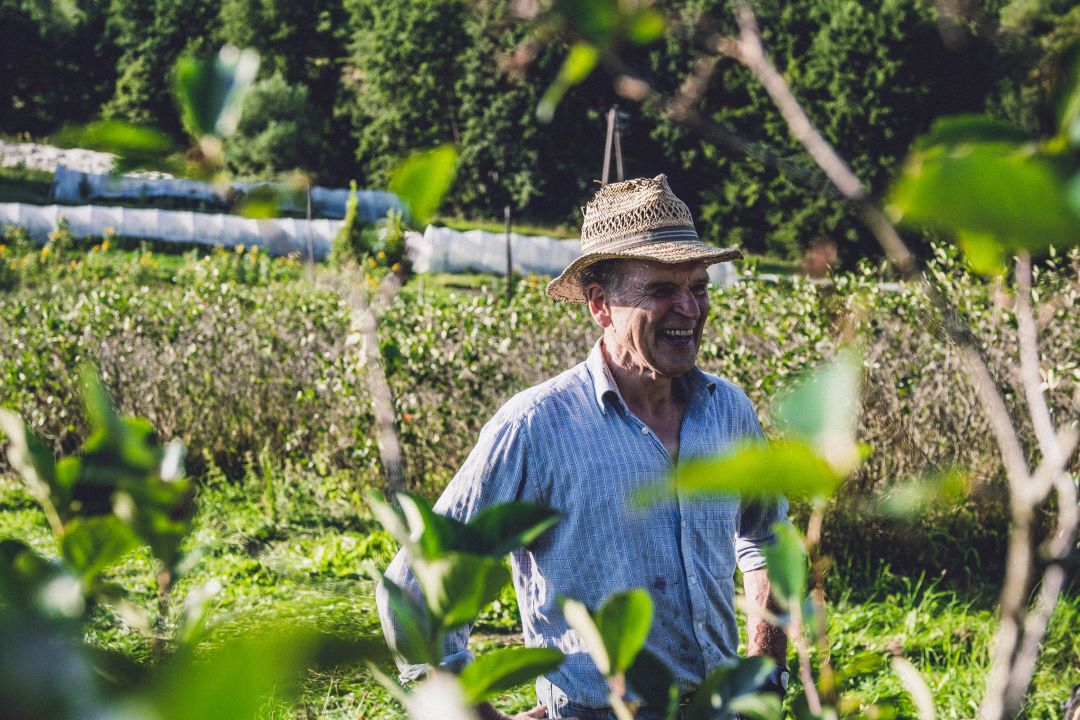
567,287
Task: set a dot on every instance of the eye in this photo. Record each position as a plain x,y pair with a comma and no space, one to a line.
663,291
700,289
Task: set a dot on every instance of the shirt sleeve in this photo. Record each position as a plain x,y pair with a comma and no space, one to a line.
493,473
757,515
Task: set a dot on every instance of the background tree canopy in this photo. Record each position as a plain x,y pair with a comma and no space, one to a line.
349,88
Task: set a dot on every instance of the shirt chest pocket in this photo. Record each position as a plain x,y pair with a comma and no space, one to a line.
716,517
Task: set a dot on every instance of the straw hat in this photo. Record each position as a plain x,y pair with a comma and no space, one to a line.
639,219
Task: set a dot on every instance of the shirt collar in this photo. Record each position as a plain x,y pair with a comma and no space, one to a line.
605,388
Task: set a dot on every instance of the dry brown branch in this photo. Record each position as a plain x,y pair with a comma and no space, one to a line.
364,312
1030,375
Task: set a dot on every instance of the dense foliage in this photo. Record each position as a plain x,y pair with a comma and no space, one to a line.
236,355
352,88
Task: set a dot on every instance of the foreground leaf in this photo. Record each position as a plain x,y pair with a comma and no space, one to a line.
997,190
915,496
416,640
504,669
89,545
651,679
786,563
422,181
458,586
209,90
581,621
238,679
577,66
753,469
726,688
823,409
624,621
505,527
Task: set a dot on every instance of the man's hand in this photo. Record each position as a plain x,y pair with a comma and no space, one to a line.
762,637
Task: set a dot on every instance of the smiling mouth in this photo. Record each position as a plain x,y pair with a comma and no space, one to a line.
678,334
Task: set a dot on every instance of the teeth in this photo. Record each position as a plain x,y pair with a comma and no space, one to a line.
680,333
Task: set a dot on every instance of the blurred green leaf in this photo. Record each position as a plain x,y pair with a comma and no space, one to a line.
581,621
624,621
995,190
823,409
44,674
862,664
459,585
504,669
89,545
579,62
239,678
36,586
983,252
751,469
31,458
391,521
134,145
159,511
416,640
763,706
435,535
726,689
1072,191
596,20
941,490
651,679
786,563
971,129
505,527
422,181
261,202
209,90
646,26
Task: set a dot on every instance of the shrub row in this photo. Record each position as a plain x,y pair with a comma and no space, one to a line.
240,363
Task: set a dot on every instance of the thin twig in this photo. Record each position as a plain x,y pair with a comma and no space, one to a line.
1030,377
364,314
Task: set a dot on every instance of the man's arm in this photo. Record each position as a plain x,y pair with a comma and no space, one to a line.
762,637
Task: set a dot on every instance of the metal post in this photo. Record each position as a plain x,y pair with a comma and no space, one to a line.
509,257
607,144
618,153
310,240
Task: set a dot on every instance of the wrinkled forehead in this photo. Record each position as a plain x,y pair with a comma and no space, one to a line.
647,271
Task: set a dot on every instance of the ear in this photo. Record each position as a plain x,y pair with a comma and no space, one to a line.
599,307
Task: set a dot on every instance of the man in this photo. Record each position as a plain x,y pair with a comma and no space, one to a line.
584,441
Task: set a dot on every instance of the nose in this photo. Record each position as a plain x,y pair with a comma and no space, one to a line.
687,304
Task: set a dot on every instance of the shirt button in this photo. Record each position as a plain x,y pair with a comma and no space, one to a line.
693,579
701,626
644,430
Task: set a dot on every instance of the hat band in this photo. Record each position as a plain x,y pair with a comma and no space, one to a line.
673,234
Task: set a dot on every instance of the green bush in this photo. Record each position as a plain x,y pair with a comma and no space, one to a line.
231,353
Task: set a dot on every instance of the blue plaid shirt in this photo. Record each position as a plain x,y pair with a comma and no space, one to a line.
571,443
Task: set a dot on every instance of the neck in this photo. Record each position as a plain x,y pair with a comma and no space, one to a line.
642,389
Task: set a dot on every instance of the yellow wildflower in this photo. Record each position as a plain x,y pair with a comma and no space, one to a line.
239,249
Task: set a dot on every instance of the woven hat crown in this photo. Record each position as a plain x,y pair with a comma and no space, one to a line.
632,208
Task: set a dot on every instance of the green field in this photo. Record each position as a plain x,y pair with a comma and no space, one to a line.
250,364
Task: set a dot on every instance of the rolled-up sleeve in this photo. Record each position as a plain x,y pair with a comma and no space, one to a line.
492,474
757,515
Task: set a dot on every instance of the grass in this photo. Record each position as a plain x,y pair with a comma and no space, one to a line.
303,544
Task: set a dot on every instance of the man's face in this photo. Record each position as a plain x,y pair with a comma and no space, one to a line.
654,319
